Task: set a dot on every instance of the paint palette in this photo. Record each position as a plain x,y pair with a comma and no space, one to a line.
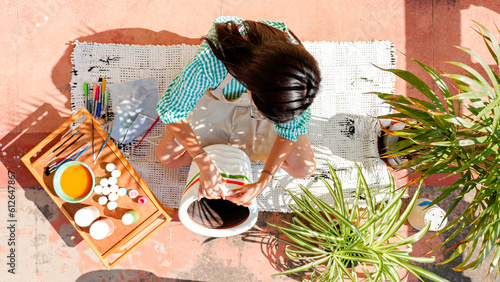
74,181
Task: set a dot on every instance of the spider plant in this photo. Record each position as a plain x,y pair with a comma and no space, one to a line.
331,241
458,136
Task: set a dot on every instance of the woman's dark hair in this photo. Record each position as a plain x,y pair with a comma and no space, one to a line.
282,77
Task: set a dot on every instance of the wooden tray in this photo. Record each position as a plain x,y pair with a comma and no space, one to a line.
124,238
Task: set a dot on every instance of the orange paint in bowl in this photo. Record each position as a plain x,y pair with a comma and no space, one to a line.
76,181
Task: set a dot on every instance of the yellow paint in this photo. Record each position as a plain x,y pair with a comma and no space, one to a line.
76,181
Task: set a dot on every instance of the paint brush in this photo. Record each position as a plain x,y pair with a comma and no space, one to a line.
103,145
65,157
60,147
67,146
73,157
154,123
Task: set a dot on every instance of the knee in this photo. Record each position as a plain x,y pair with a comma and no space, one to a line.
165,158
303,169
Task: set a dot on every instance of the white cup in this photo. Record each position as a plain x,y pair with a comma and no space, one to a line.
102,229
85,216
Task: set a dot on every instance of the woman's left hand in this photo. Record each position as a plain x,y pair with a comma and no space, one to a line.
243,196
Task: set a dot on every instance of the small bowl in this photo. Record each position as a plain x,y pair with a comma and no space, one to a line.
57,182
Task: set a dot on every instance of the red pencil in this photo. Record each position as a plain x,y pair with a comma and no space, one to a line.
154,123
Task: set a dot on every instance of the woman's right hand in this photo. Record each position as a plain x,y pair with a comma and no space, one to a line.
210,179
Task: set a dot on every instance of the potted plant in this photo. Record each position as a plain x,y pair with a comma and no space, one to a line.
457,134
348,242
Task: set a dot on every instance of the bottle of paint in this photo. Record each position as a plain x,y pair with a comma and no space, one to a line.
102,229
422,213
85,216
130,217
142,200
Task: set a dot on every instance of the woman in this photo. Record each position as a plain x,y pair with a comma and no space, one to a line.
206,104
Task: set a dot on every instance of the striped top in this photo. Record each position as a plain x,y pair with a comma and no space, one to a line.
205,71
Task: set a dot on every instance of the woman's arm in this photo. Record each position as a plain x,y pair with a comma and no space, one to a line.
209,176
279,153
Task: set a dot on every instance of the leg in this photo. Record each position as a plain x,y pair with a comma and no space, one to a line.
300,163
170,154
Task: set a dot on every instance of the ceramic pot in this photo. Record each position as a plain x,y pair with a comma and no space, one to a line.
219,218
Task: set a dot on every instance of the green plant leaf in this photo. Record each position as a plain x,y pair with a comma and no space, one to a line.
485,252
418,84
493,40
475,74
440,83
303,267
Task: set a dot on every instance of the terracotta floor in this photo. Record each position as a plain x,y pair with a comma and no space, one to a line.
35,48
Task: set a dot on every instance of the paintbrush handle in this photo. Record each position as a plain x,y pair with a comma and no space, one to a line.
102,148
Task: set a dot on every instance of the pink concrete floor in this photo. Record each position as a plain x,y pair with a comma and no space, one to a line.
36,69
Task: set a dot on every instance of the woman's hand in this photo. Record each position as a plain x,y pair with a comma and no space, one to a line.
210,179
243,196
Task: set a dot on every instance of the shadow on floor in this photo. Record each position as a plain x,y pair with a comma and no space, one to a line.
126,275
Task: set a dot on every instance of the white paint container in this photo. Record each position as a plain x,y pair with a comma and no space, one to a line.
110,167
130,217
105,190
85,216
234,165
113,188
112,181
103,200
116,173
102,228
98,189
122,192
113,196
104,182
112,205
422,214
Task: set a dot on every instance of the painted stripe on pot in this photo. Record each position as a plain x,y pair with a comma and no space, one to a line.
227,181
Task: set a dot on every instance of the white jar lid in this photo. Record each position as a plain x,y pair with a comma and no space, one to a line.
98,189
112,180
122,192
435,216
99,230
116,173
103,200
113,188
84,217
112,205
106,190
104,182
128,219
110,167
113,196
133,193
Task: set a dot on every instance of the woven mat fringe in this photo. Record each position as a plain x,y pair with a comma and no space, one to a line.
343,129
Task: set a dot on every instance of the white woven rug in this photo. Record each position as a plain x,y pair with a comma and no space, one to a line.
342,129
